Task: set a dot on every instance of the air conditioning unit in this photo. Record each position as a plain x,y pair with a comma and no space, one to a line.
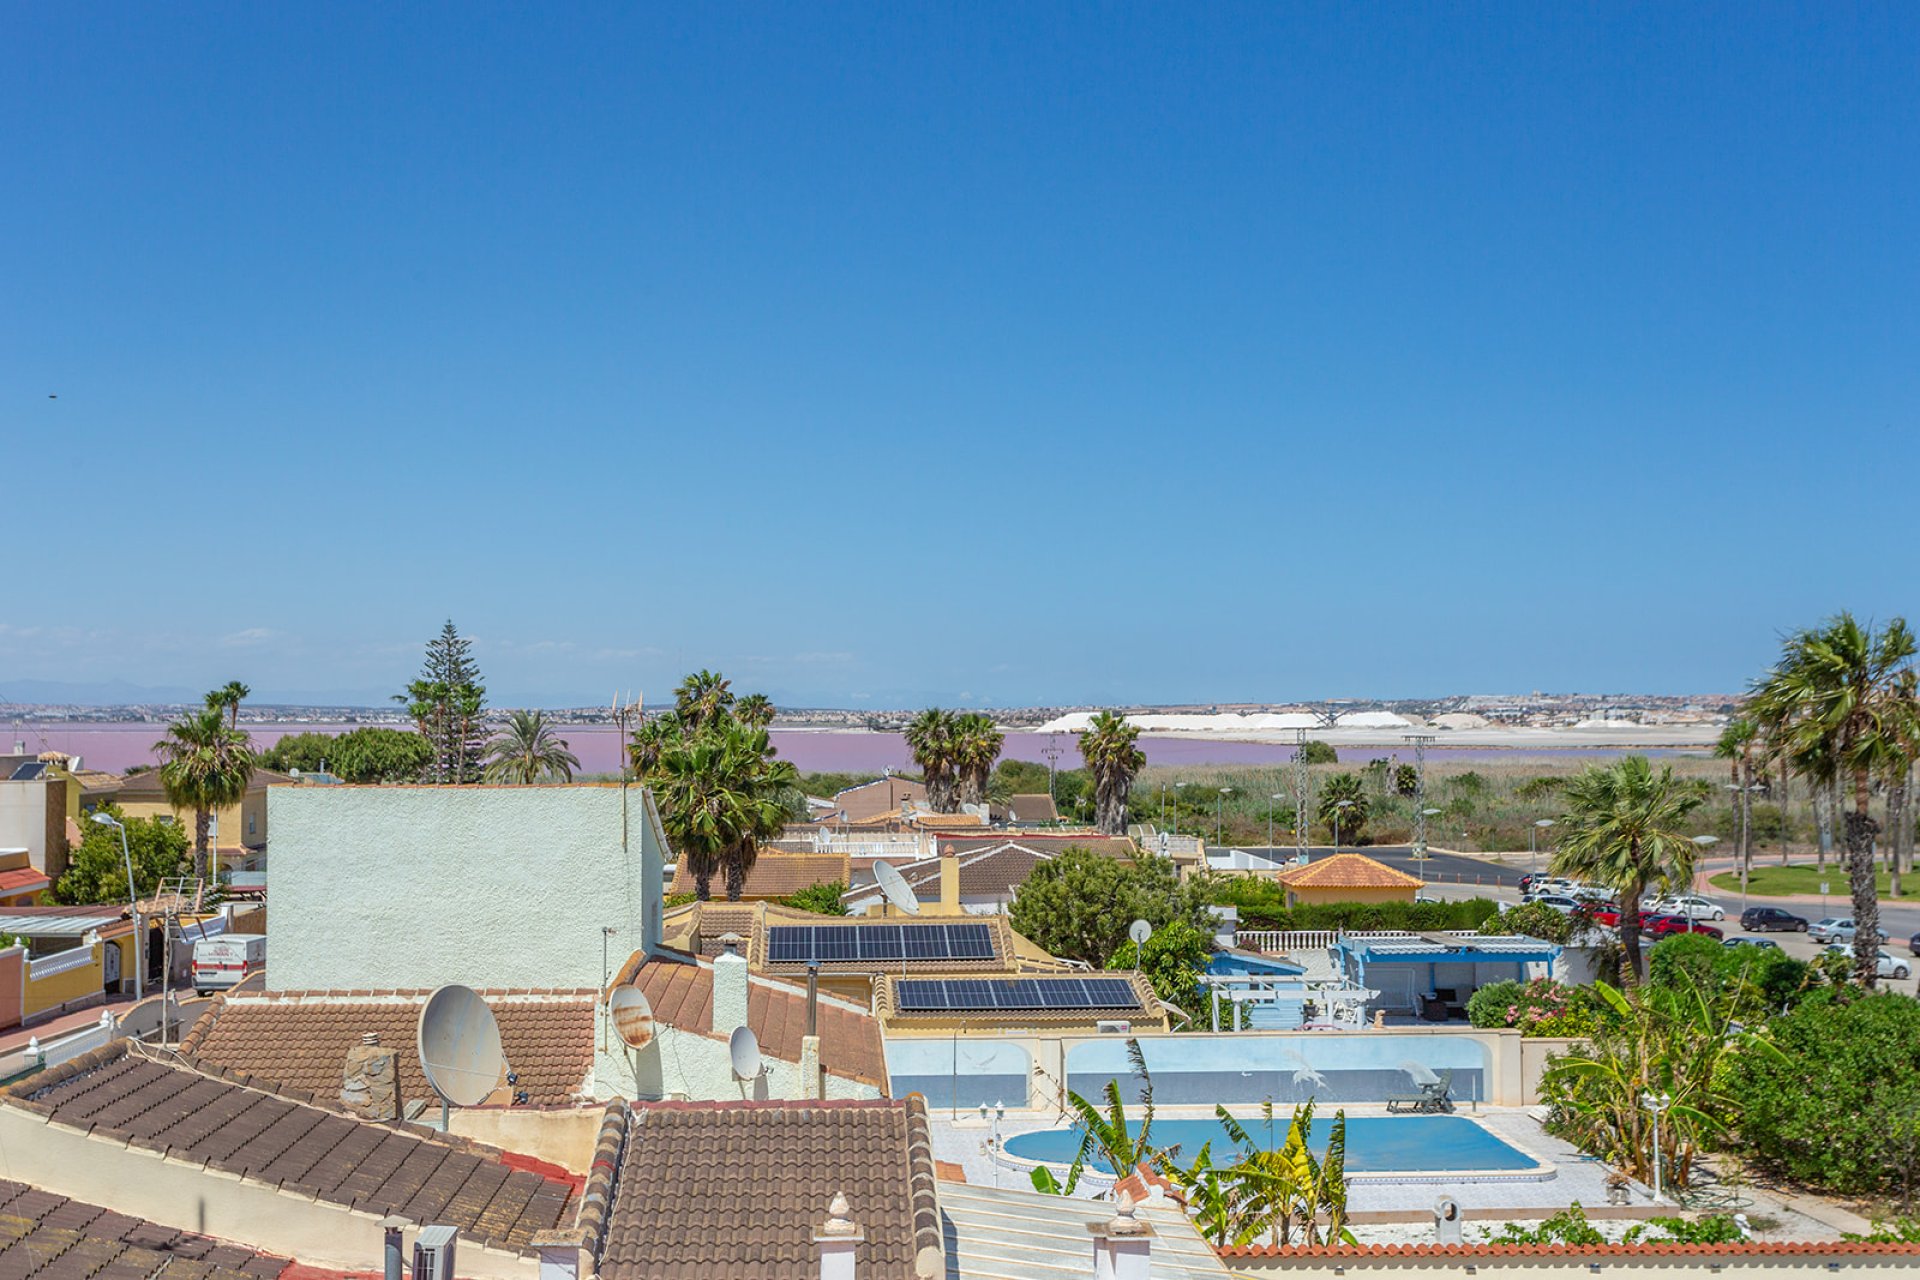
433,1254
1114,1028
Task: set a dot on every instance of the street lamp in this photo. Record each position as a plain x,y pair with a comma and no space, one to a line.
1220,813
133,903
1338,805
1273,799
1420,854
1656,1104
1704,843
1533,848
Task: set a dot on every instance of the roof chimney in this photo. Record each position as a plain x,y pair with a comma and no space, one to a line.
1123,1246
836,1241
729,987
370,1083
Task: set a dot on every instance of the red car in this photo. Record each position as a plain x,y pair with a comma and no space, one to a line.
1654,926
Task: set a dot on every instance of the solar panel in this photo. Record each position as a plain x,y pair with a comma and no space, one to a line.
967,995
969,941
787,944
922,995
798,944
1111,993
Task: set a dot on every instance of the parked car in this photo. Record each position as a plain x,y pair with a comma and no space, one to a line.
1772,920
1887,967
1693,908
1546,886
1661,926
1823,929
1759,944
1558,901
1836,929
1913,944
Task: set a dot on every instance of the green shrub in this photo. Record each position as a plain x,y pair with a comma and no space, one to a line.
1764,981
1541,1007
1263,905
1833,1098
821,899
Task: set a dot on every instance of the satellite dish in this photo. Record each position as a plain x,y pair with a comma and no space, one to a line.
1139,931
744,1047
632,1017
894,885
460,1046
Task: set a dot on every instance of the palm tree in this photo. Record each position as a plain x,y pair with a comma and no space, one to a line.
1736,744
527,751
702,698
653,736
205,765
1843,696
1343,806
930,737
1111,748
976,747
1622,829
229,697
721,792
755,710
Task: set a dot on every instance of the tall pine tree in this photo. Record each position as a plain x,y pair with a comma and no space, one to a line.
446,703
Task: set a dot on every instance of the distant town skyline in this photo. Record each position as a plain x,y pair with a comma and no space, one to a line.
892,355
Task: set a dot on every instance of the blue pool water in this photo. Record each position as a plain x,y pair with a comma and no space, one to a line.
1375,1144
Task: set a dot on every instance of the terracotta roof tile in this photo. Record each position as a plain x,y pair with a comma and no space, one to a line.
681,994
299,1039
727,1191
775,875
44,1236
1348,871
121,1095
1033,808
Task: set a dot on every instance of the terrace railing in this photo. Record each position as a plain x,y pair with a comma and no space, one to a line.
1281,941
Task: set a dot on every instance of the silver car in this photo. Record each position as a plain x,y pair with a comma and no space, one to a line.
1885,967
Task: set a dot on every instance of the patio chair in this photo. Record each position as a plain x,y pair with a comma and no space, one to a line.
1432,1097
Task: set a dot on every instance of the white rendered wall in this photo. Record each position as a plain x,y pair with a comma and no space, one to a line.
687,1065
376,887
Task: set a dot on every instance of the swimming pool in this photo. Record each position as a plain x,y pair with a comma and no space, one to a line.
1389,1148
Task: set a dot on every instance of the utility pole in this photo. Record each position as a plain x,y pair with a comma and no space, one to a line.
1420,743
1052,752
1300,783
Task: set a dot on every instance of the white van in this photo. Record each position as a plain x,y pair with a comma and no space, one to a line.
222,962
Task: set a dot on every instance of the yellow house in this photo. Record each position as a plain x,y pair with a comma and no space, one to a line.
1348,877
240,830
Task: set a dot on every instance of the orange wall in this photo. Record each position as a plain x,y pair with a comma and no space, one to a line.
13,964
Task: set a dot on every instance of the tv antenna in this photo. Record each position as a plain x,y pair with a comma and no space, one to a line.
459,1044
1420,741
895,887
1053,753
1301,783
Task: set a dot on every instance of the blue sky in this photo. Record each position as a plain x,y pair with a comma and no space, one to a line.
876,355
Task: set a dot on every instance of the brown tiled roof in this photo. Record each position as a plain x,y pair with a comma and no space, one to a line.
681,993
299,1039
1049,841
1348,871
736,1191
993,869
50,1236
227,1124
145,785
1033,808
775,875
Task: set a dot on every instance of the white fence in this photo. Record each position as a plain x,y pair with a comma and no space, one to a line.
60,962
1281,941
39,1054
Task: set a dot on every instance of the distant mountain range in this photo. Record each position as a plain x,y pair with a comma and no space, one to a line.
122,693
